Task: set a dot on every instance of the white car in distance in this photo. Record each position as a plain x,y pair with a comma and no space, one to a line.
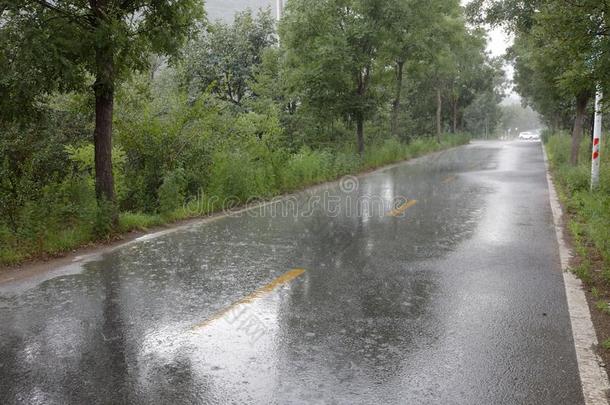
529,136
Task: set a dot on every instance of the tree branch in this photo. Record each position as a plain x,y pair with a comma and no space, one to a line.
72,17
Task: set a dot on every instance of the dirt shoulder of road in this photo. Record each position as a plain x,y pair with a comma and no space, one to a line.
39,265
596,289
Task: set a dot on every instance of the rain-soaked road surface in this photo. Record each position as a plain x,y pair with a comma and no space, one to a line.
452,295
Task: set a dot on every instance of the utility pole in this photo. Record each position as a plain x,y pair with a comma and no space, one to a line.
280,9
280,14
486,127
597,139
597,127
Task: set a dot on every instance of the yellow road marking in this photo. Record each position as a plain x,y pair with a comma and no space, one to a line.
281,280
400,210
449,179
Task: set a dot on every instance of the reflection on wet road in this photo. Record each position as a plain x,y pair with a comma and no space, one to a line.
432,282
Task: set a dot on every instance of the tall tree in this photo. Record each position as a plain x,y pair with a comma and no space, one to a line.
331,47
565,28
444,54
475,74
59,45
423,32
226,56
410,26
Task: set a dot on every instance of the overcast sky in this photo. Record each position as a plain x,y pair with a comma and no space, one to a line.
498,42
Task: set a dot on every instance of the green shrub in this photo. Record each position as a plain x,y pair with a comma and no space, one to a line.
172,191
583,271
558,148
345,163
589,225
307,167
104,219
129,221
575,178
603,306
240,176
390,151
173,158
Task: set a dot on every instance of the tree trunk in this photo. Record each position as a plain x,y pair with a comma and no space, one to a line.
360,133
104,182
455,114
362,81
581,110
556,125
397,97
102,136
439,114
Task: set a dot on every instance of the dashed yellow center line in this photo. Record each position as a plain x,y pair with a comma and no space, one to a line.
449,179
401,210
261,292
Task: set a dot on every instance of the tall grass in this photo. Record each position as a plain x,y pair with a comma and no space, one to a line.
68,216
589,211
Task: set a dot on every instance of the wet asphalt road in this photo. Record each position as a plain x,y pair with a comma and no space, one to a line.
455,299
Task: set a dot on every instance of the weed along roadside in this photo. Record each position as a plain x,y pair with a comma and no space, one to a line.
253,180
587,226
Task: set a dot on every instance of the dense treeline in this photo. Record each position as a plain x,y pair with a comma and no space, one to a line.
180,107
561,53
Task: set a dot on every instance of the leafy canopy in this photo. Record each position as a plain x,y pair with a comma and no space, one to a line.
48,45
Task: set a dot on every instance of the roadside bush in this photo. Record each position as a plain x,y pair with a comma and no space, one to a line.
240,176
172,191
558,149
590,222
345,163
171,150
575,178
307,167
389,151
417,147
129,221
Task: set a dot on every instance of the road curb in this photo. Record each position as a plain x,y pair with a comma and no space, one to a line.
593,377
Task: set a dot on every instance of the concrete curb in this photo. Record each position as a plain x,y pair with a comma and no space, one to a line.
593,377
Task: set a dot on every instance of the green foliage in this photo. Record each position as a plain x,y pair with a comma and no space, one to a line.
391,150
82,157
591,210
603,307
583,272
595,292
172,191
560,52
243,181
237,119
225,57
331,51
309,167
129,221
48,46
